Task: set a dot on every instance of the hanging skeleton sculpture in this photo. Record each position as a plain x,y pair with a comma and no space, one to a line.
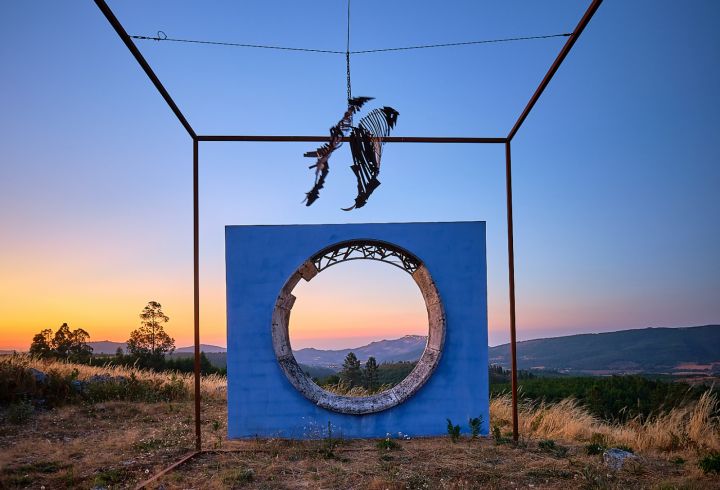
366,142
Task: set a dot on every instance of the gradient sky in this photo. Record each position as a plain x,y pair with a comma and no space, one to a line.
616,171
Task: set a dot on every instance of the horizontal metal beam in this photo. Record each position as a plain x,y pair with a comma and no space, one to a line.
110,16
323,139
556,64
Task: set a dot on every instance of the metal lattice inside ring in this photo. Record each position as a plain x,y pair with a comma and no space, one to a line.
360,250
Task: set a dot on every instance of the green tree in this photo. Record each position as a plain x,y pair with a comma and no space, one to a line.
351,372
62,341
78,349
65,344
150,341
371,374
42,344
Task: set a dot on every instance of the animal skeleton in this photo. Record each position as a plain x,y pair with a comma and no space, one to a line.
366,142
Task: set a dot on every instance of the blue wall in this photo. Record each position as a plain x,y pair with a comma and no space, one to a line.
261,400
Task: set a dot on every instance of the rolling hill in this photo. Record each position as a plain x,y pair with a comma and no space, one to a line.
651,350
407,348
110,347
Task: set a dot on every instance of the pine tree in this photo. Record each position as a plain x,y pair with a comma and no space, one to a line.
150,341
371,374
351,374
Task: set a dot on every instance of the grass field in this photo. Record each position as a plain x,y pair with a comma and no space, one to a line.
116,444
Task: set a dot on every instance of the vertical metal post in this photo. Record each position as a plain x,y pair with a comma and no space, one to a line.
511,272
196,293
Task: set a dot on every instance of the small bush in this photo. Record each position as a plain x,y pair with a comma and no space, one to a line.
550,446
547,445
710,463
239,477
20,412
594,449
453,431
388,444
475,424
111,477
598,444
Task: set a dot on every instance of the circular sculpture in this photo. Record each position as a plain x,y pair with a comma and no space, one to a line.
360,250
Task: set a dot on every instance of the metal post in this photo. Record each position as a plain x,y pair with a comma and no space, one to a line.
196,293
511,273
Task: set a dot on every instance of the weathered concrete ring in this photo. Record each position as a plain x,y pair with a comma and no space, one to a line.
355,250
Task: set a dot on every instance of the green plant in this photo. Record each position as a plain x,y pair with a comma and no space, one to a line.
388,444
594,449
20,412
550,446
598,444
239,477
475,425
111,477
453,431
710,463
216,425
497,435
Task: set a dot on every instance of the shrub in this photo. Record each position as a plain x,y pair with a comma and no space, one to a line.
475,424
20,412
239,477
550,446
388,444
594,449
453,431
710,463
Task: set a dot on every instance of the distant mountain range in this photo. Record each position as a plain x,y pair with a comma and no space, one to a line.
679,351
651,350
407,348
109,347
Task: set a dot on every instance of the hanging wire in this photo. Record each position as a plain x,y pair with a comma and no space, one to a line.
466,43
347,54
161,36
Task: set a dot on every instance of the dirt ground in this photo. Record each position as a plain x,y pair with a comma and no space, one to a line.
119,444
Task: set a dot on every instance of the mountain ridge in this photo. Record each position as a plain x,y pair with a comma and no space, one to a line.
651,349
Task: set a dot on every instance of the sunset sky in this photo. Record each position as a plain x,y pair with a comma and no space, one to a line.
616,171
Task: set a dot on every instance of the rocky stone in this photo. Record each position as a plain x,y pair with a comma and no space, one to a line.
40,377
615,458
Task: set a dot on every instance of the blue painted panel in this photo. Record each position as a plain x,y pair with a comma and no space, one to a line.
261,400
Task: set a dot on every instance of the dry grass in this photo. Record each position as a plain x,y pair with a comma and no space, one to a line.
211,386
117,444
691,428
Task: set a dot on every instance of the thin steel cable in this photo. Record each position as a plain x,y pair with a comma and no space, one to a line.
347,52
236,45
347,55
466,43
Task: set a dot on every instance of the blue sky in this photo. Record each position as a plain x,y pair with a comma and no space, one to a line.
616,171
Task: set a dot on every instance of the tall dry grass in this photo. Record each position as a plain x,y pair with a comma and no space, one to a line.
211,386
695,426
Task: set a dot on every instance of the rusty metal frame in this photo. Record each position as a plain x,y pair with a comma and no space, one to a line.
120,30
